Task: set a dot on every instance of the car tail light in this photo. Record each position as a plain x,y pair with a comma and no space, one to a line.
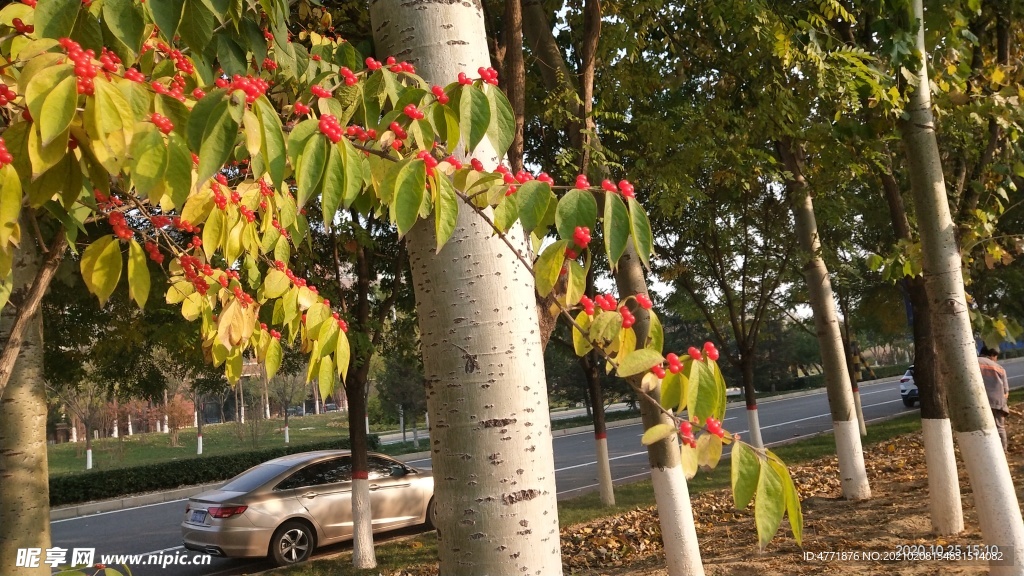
225,511
904,380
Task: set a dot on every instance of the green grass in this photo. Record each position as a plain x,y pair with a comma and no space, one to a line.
422,549
218,439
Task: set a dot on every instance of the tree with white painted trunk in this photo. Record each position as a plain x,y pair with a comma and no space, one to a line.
957,364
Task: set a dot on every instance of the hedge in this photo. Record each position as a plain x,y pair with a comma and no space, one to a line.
114,483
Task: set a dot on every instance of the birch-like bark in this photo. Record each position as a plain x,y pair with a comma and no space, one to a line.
957,366
852,473
490,435
24,490
671,493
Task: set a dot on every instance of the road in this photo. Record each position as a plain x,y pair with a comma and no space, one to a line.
154,529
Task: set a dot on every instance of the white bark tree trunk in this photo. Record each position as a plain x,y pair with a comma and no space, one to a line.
115,432
943,484
286,440
754,427
129,424
363,556
957,364
852,473
486,394
24,490
604,472
74,430
199,445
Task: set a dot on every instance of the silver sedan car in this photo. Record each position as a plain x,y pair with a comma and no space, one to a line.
286,507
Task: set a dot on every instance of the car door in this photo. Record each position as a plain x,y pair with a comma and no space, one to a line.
324,489
395,503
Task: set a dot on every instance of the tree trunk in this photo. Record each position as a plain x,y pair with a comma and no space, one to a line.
363,556
24,490
490,430
944,504
753,422
591,370
957,366
671,493
853,475
513,79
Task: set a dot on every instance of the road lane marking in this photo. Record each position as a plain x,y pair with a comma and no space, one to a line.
87,516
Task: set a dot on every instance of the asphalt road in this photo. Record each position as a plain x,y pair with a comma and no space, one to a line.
154,529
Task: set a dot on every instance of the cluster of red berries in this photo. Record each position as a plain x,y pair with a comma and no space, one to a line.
476,164
5,156
106,202
301,109
109,60
349,76
300,282
120,225
398,67
644,301
624,186
198,93
320,92
163,123
154,252
275,334
253,87
428,160
329,127
438,92
714,426
373,64
675,365
269,64
242,296
31,3
184,225
85,70
219,199
196,272
182,63
581,236
265,190
413,112
588,305
686,434
159,221
277,226
709,350
196,242
6,95
488,75
606,302
342,325
249,215
134,75
175,88
356,131
627,317
21,27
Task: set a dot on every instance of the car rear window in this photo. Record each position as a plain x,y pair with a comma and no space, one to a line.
253,478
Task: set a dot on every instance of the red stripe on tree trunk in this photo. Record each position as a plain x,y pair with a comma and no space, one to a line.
751,406
360,475
600,435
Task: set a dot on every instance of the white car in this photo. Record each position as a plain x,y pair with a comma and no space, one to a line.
908,389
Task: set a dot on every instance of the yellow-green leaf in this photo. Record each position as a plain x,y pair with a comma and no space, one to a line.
410,184
10,207
580,342
793,509
101,267
342,355
709,450
746,469
638,361
640,229
310,170
446,210
326,377
138,274
688,460
58,110
548,267
616,228
213,233
671,390
272,362
657,433
532,201
276,284
769,505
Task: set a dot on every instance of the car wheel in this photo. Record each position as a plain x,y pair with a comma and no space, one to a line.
908,403
431,512
292,543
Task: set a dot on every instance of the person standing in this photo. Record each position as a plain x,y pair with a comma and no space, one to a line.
997,386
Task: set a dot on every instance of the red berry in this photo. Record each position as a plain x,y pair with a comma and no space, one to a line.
694,353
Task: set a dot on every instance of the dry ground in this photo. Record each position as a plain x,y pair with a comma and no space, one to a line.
896,515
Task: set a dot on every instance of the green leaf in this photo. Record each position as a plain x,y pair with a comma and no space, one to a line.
643,239
579,342
474,116
606,328
548,267
446,210
746,469
326,377
10,208
334,184
45,157
616,228
793,509
638,361
532,200
138,274
56,18
353,172
125,20
273,146
310,169
219,138
233,366
38,93
502,126
59,109
275,354
166,14
196,26
276,284
506,213
298,137
342,355
657,433
655,333
230,55
410,185
577,284
213,233
178,174
688,461
671,390
577,208
149,162
769,505
201,114
702,395
101,267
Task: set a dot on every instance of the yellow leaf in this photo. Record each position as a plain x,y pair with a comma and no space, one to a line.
138,274
101,267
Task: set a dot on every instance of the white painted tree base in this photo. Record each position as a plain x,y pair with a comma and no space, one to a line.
944,502
995,497
129,425
852,474
88,459
115,433
199,445
167,428
678,533
604,472
754,428
362,526
286,435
